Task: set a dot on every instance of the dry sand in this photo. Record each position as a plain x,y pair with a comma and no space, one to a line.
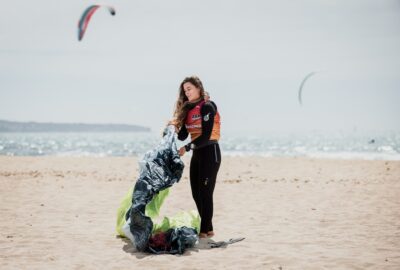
296,213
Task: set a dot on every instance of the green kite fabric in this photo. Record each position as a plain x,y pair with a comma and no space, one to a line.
189,219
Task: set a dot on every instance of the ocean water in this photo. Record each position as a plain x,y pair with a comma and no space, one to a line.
386,146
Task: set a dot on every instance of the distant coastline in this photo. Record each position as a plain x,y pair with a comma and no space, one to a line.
12,126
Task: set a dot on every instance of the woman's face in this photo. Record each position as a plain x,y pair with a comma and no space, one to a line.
191,91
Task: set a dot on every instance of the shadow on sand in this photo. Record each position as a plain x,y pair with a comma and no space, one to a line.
202,244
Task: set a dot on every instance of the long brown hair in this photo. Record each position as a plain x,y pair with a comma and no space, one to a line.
182,105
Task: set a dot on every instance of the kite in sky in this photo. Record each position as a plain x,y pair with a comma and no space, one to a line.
85,18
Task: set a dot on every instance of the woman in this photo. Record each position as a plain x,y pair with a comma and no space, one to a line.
199,117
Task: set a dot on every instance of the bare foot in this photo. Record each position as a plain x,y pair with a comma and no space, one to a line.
202,235
210,234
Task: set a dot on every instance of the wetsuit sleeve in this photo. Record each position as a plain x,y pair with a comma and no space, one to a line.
183,133
207,112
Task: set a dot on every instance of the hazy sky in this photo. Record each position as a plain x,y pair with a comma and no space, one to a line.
251,56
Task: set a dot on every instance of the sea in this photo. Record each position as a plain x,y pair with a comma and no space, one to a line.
338,145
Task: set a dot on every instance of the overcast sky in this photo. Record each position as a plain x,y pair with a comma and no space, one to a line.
251,56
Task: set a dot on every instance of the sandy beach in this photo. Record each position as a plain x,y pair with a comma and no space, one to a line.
295,213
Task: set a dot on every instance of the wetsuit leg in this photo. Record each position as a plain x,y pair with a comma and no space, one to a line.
210,160
195,181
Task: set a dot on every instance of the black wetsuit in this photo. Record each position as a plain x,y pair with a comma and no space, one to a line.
204,165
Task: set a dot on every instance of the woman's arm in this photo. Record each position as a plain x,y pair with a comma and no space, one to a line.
183,133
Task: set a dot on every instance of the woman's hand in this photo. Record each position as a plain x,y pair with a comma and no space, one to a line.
173,122
182,151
